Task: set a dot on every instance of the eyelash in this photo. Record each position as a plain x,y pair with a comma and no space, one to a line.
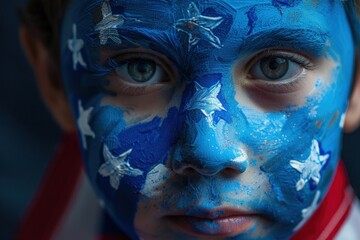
297,58
304,62
282,86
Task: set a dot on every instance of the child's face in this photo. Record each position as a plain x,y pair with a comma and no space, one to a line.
202,118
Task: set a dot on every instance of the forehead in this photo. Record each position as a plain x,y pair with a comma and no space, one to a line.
166,10
246,25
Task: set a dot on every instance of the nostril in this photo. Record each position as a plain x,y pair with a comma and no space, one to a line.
192,167
183,168
186,171
230,173
191,162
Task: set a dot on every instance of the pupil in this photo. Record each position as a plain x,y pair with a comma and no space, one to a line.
274,68
141,70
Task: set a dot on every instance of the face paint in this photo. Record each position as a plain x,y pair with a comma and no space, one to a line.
203,118
199,27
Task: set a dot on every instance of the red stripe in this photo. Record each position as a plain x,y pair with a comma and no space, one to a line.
54,195
332,212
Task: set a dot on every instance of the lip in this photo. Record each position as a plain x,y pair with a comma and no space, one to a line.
220,223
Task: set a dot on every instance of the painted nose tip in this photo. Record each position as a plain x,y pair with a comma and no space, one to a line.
239,164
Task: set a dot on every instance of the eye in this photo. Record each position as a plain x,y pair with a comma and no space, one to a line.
141,71
279,67
274,67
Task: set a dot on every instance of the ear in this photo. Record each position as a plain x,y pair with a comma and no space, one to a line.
352,120
48,79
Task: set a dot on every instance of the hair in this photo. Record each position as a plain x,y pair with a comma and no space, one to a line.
44,18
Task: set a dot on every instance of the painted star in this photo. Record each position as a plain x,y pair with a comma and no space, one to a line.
199,27
116,167
83,123
205,100
310,169
108,25
308,212
75,45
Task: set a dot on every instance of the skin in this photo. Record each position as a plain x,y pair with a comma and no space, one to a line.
235,150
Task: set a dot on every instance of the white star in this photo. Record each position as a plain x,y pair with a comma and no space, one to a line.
83,123
117,167
308,212
75,45
108,25
205,99
199,27
310,169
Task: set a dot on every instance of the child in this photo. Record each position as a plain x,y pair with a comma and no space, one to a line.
197,119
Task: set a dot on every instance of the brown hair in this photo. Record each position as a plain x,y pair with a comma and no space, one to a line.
43,18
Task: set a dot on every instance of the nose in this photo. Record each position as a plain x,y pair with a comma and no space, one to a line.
204,150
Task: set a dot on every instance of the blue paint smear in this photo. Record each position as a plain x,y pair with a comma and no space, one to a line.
285,3
251,14
141,138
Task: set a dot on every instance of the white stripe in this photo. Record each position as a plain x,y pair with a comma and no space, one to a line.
83,214
338,215
351,228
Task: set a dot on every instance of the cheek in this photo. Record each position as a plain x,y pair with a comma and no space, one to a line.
279,142
119,157
110,129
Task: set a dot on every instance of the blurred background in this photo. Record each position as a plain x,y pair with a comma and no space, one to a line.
28,135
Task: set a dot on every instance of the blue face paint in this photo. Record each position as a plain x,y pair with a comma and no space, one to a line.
191,112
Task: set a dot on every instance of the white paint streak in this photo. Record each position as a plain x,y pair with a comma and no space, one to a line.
75,45
83,123
308,212
342,120
156,178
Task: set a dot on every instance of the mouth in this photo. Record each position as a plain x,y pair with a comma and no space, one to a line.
219,223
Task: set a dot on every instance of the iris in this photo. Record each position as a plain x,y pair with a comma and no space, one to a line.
141,70
274,67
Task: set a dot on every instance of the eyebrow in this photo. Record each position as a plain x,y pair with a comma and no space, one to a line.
306,40
310,41
162,41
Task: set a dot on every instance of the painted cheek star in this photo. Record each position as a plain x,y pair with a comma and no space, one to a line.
116,167
310,169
